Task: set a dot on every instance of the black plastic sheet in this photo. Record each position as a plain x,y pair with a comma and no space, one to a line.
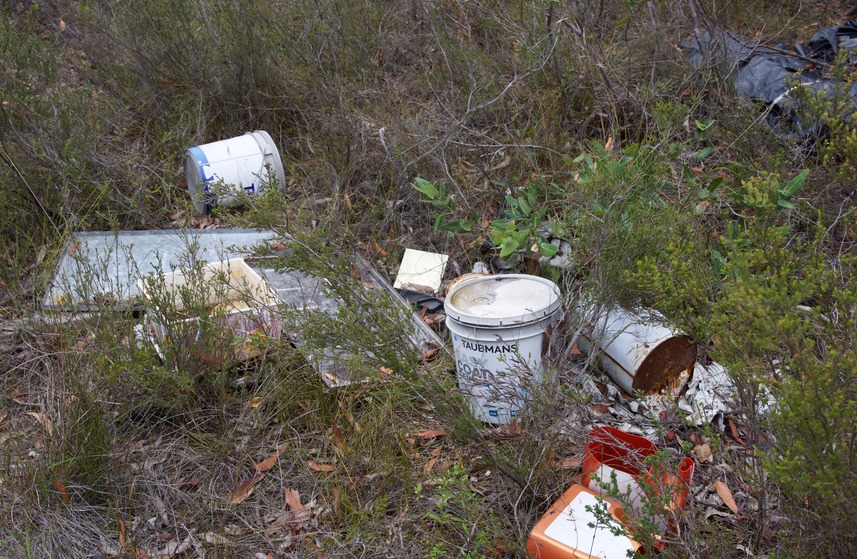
772,74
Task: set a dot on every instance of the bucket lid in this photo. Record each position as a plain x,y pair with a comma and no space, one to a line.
504,300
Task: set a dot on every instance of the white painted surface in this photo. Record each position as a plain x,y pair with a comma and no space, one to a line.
244,163
578,528
625,482
504,300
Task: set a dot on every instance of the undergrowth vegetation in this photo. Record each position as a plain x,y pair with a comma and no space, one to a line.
516,133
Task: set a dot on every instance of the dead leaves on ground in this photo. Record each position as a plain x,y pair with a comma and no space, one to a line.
43,419
244,489
316,467
429,437
435,456
703,452
430,434
62,490
176,547
733,429
725,495
293,519
296,514
270,461
567,463
339,444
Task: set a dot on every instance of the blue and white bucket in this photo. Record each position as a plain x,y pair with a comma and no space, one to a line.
499,327
247,163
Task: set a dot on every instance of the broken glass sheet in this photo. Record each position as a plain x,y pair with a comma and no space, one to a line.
100,269
306,293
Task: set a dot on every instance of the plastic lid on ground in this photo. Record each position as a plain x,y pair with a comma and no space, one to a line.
504,300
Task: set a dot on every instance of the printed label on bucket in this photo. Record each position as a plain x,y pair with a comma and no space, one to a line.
490,375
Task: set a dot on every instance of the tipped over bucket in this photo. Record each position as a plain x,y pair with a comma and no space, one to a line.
246,163
499,327
638,351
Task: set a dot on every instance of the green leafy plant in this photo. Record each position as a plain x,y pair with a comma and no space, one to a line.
765,192
702,129
650,510
454,505
443,206
519,230
522,226
828,116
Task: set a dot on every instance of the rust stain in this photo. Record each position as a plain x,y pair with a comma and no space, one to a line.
665,364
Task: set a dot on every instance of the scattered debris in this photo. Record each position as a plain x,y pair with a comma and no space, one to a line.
101,270
562,259
306,294
240,303
710,395
572,527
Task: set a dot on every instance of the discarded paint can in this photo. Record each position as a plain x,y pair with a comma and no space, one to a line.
464,278
639,353
499,326
245,163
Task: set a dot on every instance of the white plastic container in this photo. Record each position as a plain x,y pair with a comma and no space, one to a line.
639,352
244,163
241,302
499,326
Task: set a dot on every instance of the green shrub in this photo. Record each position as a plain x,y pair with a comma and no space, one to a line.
778,314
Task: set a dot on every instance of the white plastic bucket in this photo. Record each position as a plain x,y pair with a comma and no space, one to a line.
244,163
499,326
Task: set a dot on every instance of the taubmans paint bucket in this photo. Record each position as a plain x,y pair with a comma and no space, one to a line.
498,326
245,163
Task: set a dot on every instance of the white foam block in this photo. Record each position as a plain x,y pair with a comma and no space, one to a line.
421,269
